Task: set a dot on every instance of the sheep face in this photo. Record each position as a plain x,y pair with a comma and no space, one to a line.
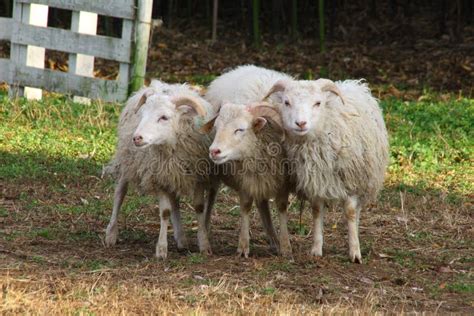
235,133
159,119
300,105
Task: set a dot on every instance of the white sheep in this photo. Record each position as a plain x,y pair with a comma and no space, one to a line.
162,152
338,145
248,142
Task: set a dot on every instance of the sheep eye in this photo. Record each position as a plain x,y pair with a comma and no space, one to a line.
163,118
318,103
239,130
287,103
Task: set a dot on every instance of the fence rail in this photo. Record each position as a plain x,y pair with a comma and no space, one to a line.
29,36
72,42
124,9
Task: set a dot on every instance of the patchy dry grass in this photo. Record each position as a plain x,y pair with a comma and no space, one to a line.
417,243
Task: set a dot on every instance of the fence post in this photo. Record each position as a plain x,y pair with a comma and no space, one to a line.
35,55
34,14
142,38
85,23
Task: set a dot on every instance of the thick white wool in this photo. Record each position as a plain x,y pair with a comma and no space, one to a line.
263,173
243,85
347,154
162,167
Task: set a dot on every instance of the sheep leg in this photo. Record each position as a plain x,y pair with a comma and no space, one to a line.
165,211
244,237
318,209
265,215
111,232
211,199
178,232
203,240
282,205
352,207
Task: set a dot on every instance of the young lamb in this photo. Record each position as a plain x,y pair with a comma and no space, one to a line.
162,152
338,145
247,143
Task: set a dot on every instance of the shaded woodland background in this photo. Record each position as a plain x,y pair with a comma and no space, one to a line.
400,45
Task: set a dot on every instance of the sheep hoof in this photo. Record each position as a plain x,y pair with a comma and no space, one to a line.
274,243
111,236
286,252
161,252
316,252
356,259
182,244
243,253
355,256
206,251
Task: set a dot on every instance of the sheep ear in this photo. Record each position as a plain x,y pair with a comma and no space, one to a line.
207,128
330,86
279,86
186,109
264,110
189,105
141,102
259,123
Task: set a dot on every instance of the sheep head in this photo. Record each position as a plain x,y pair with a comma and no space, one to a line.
236,128
301,103
160,116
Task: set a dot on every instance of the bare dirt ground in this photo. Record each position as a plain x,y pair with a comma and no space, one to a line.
417,249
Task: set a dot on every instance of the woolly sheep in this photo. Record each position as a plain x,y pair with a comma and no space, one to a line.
338,145
247,142
161,151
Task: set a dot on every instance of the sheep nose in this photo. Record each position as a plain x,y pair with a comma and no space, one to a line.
137,140
215,152
301,124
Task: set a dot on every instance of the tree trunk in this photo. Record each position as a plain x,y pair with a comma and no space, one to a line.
393,7
322,39
276,10
442,17
169,14
214,20
294,19
373,8
256,23
332,17
467,9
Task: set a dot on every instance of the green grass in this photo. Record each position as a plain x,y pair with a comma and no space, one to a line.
54,138
432,141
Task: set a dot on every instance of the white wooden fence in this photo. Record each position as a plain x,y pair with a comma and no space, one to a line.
29,36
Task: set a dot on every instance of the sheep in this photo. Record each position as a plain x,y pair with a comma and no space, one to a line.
243,85
247,142
162,152
337,143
